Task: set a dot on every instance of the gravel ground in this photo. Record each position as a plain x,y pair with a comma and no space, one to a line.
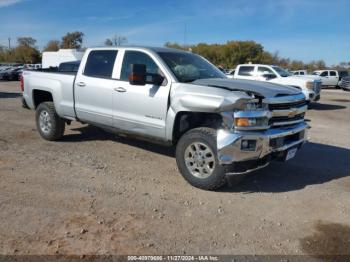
97,193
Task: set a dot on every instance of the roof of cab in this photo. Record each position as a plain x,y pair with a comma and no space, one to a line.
154,49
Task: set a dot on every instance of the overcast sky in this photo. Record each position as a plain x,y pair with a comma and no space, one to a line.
299,29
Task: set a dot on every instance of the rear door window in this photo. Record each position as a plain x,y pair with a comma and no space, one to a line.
100,63
246,71
333,73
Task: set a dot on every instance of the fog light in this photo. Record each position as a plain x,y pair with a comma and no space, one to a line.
248,145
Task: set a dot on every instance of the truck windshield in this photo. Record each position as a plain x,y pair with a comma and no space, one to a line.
281,71
189,67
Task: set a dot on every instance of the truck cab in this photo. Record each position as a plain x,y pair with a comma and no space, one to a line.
330,77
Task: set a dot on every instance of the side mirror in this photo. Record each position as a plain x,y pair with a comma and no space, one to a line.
137,75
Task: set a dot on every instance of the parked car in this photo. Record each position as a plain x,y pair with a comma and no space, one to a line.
11,74
345,83
309,85
331,77
220,126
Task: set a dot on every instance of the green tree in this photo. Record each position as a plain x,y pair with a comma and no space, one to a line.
52,45
72,40
26,41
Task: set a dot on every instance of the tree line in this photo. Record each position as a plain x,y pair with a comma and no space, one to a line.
232,53
227,55
26,50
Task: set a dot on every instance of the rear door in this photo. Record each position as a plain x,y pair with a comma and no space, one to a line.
141,109
94,88
333,78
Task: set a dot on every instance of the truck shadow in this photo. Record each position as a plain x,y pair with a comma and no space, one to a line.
314,164
9,95
324,107
91,133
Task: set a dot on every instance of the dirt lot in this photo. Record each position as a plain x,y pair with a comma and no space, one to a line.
97,193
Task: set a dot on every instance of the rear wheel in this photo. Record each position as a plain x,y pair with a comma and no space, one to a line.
49,124
197,160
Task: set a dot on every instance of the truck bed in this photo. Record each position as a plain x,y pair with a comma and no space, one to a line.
59,84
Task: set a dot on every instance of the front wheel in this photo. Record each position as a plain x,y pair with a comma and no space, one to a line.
49,124
197,161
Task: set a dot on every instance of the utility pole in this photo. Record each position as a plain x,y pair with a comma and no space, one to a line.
185,35
9,42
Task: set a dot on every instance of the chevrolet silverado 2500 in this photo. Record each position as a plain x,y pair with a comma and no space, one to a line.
220,126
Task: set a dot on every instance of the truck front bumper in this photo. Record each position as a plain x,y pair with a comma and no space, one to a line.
247,151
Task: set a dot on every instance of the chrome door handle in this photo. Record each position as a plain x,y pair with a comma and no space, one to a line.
120,89
81,84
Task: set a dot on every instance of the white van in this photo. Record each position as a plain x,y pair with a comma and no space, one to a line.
54,59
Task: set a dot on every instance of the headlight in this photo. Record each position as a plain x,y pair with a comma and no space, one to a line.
309,85
250,122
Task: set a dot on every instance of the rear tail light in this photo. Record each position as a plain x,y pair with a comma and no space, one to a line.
22,83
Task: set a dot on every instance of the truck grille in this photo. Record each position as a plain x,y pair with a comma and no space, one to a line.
284,106
287,113
280,120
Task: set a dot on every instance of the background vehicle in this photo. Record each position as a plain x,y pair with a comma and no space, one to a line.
310,86
330,77
230,73
54,59
220,126
345,83
72,66
299,72
11,74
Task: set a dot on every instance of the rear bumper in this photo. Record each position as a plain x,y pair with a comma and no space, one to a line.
267,145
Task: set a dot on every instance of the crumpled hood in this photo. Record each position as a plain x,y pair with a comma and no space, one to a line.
260,88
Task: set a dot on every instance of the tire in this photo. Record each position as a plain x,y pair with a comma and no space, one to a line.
203,171
49,124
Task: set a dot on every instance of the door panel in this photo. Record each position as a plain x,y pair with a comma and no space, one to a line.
94,88
333,78
94,102
140,109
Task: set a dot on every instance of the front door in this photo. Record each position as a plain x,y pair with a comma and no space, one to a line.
140,109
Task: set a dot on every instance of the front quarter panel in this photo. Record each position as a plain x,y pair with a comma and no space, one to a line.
196,98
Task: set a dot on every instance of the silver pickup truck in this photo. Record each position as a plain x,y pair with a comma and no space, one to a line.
220,126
